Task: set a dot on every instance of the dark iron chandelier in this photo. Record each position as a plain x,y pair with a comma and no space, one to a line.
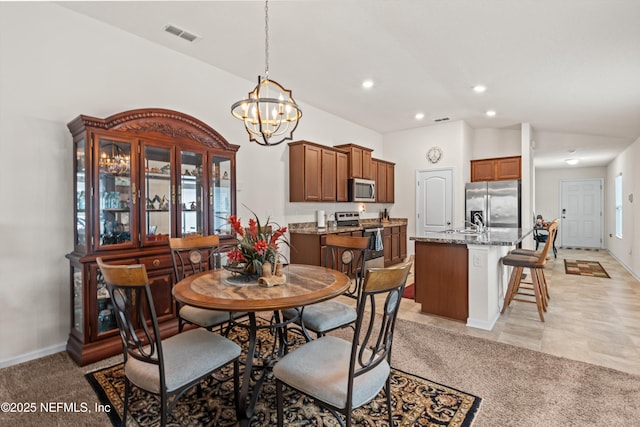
270,114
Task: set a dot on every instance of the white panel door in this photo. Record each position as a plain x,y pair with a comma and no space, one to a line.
581,213
434,200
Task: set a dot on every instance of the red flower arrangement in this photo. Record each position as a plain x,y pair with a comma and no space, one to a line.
257,244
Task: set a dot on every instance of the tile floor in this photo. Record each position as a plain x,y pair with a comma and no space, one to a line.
594,320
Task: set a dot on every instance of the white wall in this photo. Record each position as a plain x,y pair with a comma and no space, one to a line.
408,150
57,64
488,143
627,248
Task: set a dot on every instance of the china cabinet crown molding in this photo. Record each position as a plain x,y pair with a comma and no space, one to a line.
172,124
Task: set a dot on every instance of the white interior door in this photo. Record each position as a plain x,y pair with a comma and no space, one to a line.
434,196
581,213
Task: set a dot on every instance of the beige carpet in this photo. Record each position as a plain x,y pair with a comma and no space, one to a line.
518,387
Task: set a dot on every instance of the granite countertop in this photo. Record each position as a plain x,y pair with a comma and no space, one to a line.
492,236
311,228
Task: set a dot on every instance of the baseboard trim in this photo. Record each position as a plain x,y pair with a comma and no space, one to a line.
626,267
5,363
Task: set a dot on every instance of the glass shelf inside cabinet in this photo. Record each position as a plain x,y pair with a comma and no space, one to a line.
191,194
77,300
81,196
106,316
159,194
115,190
222,194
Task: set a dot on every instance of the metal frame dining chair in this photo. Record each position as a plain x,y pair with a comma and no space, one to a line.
342,375
166,367
346,254
192,255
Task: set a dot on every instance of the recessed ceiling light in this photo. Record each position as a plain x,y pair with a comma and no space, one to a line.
367,84
419,116
490,113
572,161
479,88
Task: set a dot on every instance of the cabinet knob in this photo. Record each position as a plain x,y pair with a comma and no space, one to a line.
156,262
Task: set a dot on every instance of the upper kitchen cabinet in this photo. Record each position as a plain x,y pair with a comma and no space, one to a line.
385,180
496,169
317,173
140,178
360,163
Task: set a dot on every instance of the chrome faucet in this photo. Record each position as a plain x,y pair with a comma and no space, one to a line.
478,226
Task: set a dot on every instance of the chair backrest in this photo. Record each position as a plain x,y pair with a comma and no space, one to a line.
552,229
377,313
134,310
347,254
191,255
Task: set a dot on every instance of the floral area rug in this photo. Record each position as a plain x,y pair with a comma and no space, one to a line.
417,402
585,268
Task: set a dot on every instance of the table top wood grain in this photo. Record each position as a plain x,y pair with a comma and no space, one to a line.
223,290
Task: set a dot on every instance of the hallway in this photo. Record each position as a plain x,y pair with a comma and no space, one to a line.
593,320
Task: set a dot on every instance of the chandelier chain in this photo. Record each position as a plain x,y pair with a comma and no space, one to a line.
266,39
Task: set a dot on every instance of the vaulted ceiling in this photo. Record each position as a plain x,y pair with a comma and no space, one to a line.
570,68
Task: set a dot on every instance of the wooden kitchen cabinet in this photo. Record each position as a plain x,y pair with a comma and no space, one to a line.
441,279
496,169
360,165
317,173
309,248
140,178
328,176
385,181
342,177
395,244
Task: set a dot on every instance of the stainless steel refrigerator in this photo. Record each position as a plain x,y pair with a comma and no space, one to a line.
493,203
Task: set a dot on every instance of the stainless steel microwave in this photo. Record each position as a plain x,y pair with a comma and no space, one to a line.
362,190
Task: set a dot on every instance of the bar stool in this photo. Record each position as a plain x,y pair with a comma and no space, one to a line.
535,263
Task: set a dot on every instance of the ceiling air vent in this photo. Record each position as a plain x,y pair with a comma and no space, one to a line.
441,119
183,34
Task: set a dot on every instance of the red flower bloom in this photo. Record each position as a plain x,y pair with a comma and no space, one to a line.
235,223
235,255
260,246
253,228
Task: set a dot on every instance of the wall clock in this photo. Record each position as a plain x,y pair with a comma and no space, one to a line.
434,154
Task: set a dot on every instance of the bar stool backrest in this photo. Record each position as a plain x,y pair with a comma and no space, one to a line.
553,229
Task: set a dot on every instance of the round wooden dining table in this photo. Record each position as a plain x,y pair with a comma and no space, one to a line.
227,291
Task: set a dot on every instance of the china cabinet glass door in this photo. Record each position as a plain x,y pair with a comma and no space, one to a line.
221,194
115,190
81,196
158,195
190,194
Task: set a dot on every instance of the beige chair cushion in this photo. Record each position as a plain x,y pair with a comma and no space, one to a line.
324,316
320,369
205,318
187,355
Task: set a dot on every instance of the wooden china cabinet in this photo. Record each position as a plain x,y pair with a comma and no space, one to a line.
140,177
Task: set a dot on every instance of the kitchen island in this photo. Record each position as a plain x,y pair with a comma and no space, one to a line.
458,273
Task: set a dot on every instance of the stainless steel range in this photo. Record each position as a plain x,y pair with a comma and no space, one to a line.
375,254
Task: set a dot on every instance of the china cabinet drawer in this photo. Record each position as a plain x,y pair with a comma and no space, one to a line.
157,262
